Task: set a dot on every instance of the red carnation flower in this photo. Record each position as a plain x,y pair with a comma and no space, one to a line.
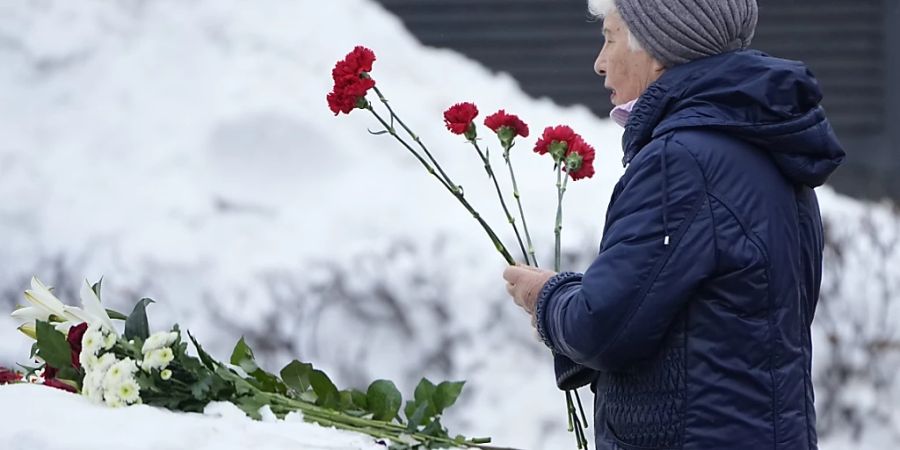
348,93
459,118
9,376
74,339
351,81
501,119
355,63
558,134
580,160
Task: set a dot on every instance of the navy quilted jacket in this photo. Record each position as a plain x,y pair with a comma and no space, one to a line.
692,325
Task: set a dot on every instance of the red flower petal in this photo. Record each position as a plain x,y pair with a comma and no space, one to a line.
9,376
460,116
74,339
560,133
349,82
587,160
502,119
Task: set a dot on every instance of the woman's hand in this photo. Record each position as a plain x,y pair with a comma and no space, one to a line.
524,284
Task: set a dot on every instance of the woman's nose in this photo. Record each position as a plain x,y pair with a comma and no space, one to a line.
600,67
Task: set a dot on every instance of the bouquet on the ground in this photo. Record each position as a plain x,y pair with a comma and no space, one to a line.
80,349
572,158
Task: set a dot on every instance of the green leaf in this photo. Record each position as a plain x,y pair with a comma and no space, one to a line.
52,346
360,400
34,349
136,326
28,370
96,287
201,388
346,400
207,360
446,394
435,429
325,389
250,404
424,394
115,315
384,400
242,356
415,415
296,376
68,373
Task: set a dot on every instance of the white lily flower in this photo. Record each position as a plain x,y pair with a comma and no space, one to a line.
40,296
28,314
95,311
44,305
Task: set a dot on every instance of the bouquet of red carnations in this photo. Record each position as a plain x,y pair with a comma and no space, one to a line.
572,159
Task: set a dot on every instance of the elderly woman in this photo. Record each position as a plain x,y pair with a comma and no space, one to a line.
692,325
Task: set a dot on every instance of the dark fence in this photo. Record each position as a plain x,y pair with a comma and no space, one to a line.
549,46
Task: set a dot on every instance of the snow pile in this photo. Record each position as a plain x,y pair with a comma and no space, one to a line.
185,152
38,417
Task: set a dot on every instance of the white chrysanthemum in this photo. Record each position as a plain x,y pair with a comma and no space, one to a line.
157,359
109,340
165,374
129,391
92,381
111,398
104,362
159,340
88,361
118,373
92,341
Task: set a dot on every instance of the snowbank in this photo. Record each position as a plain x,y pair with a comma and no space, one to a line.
35,417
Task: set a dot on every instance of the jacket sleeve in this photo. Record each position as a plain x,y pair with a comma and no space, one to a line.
658,246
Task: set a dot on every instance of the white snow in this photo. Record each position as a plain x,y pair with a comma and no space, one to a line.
184,150
37,417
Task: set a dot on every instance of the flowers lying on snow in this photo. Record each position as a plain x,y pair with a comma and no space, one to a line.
139,368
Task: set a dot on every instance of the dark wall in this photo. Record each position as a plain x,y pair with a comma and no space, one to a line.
852,46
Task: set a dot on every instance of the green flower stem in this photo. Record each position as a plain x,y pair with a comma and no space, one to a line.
375,428
584,420
576,423
516,195
561,190
509,217
414,137
455,190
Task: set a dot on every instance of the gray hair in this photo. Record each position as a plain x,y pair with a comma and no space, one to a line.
602,8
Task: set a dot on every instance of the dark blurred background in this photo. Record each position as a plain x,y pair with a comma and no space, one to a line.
852,46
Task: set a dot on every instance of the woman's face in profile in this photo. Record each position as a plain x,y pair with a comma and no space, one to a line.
628,72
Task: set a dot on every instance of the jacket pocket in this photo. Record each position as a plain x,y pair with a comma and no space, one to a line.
645,404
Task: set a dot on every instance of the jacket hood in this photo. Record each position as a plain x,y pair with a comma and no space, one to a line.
769,102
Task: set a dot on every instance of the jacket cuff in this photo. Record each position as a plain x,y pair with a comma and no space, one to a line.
540,310
571,375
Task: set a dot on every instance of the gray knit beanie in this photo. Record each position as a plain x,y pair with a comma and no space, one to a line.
678,31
